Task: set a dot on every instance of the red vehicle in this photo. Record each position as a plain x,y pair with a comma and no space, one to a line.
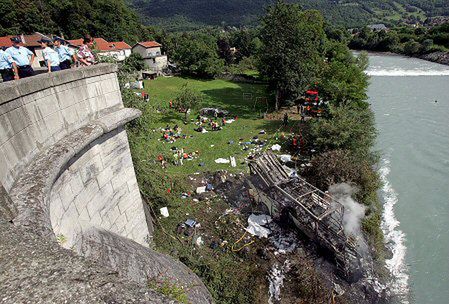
312,96
313,105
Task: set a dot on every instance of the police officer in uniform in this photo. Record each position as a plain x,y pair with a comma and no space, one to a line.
64,52
8,68
22,56
50,55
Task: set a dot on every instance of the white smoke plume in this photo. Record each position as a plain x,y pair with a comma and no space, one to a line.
354,212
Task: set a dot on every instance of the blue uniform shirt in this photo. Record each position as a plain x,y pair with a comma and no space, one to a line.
20,55
64,53
5,60
51,55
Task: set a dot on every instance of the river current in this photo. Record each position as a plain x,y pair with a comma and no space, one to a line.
410,99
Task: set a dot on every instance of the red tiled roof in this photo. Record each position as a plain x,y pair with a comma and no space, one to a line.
102,45
76,42
79,42
28,40
149,44
119,45
31,40
6,41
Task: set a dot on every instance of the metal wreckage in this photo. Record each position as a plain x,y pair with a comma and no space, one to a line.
315,213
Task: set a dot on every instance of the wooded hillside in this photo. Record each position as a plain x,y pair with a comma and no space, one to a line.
350,13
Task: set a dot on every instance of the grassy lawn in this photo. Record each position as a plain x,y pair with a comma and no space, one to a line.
239,99
231,277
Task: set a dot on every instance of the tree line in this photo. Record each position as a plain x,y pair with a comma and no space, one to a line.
110,19
403,40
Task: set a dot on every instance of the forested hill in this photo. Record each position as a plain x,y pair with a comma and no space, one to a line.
110,19
350,13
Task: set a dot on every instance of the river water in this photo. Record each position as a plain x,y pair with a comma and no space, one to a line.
410,99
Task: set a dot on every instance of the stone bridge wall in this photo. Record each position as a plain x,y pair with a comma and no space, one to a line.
93,185
67,178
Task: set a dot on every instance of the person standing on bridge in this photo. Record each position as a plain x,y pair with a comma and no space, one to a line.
50,55
65,54
85,54
8,68
22,56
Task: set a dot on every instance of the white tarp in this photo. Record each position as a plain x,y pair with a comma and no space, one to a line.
255,223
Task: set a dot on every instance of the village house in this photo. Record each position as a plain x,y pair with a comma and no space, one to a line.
378,27
118,50
152,55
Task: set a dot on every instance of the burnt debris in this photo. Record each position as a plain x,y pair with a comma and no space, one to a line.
315,213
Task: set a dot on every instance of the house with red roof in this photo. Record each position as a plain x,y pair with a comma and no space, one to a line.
152,55
118,50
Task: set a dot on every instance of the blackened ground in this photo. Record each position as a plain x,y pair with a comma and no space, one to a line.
312,276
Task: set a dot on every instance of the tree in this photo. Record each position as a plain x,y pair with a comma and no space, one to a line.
291,54
349,127
187,99
343,78
197,54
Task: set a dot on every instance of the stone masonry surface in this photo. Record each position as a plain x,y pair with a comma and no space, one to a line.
99,189
38,111
67,178
34,270
138,264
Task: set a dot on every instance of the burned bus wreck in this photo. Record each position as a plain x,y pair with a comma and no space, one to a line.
315,213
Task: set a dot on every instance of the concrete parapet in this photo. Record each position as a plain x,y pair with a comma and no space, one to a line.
65,171
38,111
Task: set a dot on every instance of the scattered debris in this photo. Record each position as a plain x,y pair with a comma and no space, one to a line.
276,278
276,147
200,190
233,161
213,112
285,158
198,241
191,223
164,212
222,161
255,223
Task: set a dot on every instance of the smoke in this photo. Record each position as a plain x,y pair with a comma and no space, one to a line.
354,212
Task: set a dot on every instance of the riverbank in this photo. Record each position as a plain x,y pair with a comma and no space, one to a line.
437,57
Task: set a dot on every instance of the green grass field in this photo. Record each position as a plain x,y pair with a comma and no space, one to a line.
240,100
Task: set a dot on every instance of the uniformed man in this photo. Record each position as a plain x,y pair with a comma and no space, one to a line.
22,56
51,57
65,54
8,68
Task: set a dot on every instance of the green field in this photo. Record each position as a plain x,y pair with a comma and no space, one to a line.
239,99
230,276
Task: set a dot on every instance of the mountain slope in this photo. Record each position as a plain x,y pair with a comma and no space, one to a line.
246,12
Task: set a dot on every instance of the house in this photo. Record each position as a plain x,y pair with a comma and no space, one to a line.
152,55
30,42
118,50
378,27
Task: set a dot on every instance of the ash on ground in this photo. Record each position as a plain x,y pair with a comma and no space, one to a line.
311,273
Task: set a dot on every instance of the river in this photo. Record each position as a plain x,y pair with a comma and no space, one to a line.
410,99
